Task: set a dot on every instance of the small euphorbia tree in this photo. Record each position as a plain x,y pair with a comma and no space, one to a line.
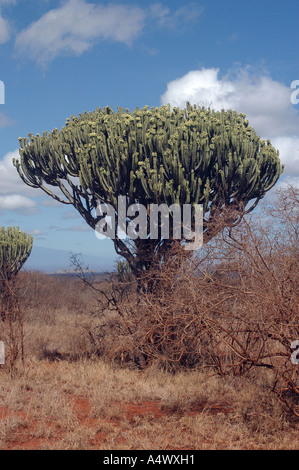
15,249
152,156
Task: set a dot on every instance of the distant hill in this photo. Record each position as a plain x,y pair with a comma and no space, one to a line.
59,261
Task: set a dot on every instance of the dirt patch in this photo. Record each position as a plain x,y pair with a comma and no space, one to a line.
146,408
24,433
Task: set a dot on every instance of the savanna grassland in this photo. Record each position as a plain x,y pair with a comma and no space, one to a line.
202,360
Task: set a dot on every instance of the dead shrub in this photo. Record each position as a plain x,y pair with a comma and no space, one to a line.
233,308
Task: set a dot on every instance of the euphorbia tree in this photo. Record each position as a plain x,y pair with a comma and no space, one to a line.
152,156
15,249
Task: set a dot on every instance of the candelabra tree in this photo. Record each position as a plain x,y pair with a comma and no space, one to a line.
15,249
194,156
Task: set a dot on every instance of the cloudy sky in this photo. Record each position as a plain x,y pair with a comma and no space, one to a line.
60,58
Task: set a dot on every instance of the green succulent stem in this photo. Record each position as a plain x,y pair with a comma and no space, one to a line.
152,155
15,249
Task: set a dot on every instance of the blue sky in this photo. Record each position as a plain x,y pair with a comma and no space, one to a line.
61,58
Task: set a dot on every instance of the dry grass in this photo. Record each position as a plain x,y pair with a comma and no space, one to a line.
203,362
91,405
60,399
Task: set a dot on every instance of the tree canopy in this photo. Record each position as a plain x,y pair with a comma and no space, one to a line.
15,249
152,156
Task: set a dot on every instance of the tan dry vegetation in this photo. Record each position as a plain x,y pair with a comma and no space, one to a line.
92,405
200,362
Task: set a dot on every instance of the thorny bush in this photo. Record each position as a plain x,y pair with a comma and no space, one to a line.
233,308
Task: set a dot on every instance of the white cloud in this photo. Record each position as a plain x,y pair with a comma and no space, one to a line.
265,102
11,185
37,233
10,181
289,180
4,30
159,12
289,153
180,18
199,87
16,202
15,195
76,26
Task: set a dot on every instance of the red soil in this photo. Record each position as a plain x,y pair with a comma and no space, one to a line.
22,437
